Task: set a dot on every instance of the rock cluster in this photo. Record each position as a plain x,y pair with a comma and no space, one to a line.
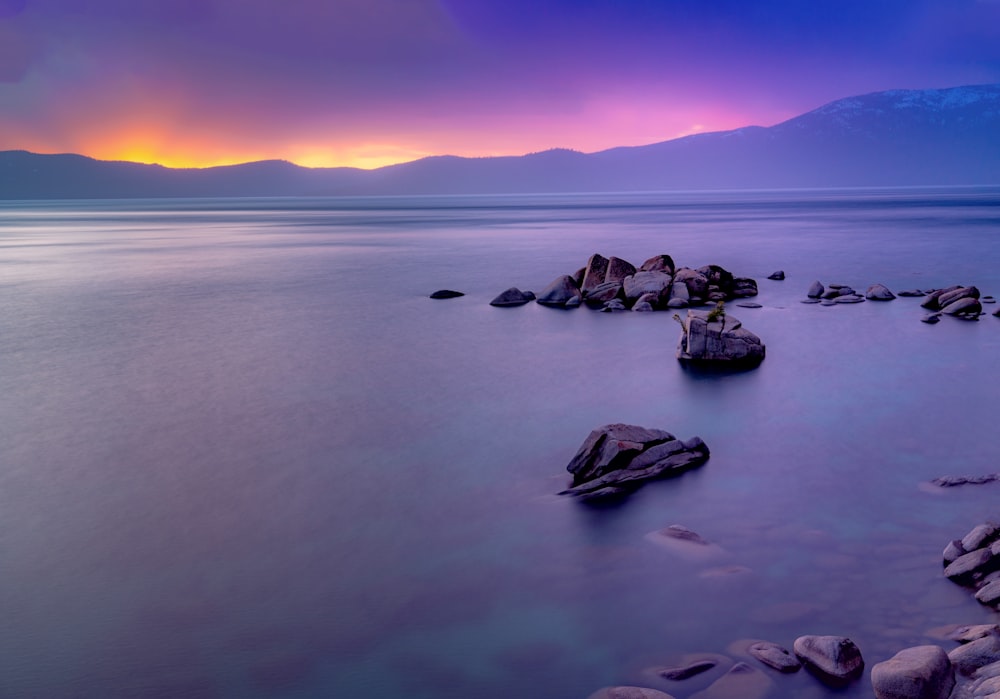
615,459
614,284
959,301
974,561
714,336
833,294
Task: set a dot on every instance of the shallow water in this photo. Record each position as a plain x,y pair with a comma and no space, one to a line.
242,454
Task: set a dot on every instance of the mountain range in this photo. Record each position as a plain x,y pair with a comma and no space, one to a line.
894,138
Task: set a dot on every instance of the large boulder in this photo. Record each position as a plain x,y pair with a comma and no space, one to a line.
658,263
835,659
707,337
641,283
879,292
561,293
596,271
512,297
965,305
922,672
616,458
695,281
618,269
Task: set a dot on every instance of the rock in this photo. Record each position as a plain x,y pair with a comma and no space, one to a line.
614,305
629,693
677,303
952,481
687,671
513,297
969,633
774,656
849,298
682,533
815,290
953,550
968,658
446,294
561,292
723,340
922,672
980,536
990,593
618,269
643,307
602,293
658,263
717,276
996,313
741,681
962,292
777,276
642,283
911,293
617,456
931,318
964,569
696,282
679,290
809,301
748,304
743,287
963,306
931,300
835,659
878,292
987,299
596,270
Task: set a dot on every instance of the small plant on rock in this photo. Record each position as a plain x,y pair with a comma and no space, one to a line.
717,313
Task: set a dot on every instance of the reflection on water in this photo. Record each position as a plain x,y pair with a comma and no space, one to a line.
243,455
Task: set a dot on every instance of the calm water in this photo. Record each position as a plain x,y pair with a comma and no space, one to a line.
242,454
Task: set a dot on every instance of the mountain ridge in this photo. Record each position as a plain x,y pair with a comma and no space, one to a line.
939,136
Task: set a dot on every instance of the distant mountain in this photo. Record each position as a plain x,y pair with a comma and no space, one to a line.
895,138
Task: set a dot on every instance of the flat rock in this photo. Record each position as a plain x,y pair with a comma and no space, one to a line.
911,293
834,659
774,656
968,658
512,297
921,672
849,298
446,294
748,304
688,671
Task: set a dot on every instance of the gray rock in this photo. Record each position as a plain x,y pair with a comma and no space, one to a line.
643,307
614,305
967,634
748,304
723,340
696,282
953,550
642,283
687,671
963,292
932,298
741,681
849,298
602,293
987,299
629,693
777,276
878,292
622,456
963,306
774,656
618,269
743,287
980,536
989,593
596,270
682,533
446,294
809,301
911,293
717,276
966,568
931,318
512,297
835,659
815,290
658,263
922,672
968,658
561,292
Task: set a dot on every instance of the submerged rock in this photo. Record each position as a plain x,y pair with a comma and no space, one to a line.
774,656
922,672
446,294
777,276
835,659
687,671
709,338
616,458
741,681
512,297
911,293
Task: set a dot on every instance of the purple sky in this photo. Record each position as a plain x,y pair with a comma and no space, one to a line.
370,82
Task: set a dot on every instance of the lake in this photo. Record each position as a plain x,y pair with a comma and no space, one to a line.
243,454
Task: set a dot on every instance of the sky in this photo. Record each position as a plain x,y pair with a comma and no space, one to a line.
367,83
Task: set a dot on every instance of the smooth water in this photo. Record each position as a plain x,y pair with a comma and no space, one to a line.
242,454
